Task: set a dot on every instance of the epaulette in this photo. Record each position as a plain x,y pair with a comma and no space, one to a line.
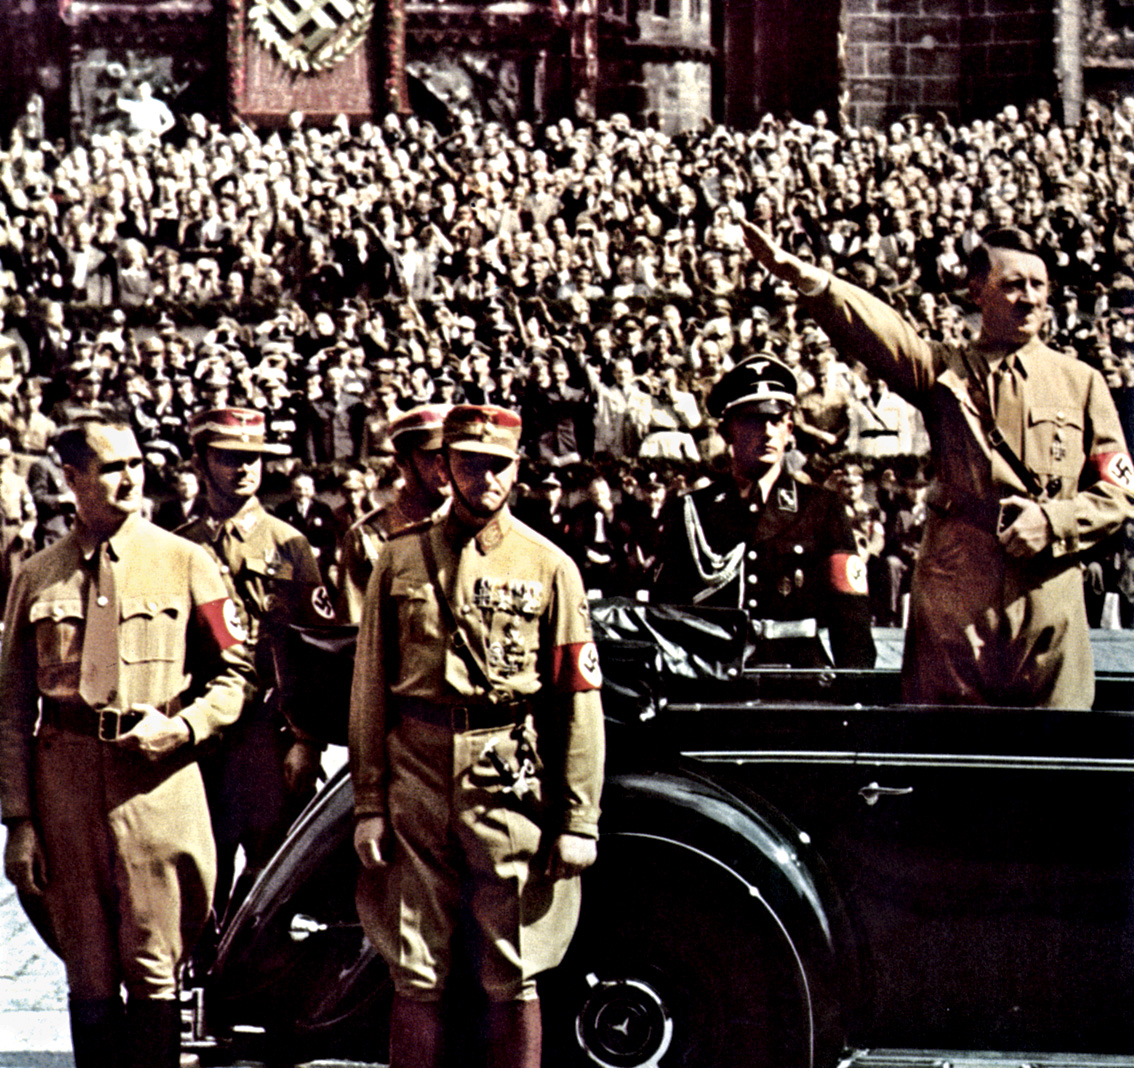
413,528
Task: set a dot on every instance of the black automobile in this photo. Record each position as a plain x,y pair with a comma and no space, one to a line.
793,866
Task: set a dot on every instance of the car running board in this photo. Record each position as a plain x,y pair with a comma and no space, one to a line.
929,1058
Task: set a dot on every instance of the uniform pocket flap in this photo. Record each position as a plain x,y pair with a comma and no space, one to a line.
71,608
152,605
1069,417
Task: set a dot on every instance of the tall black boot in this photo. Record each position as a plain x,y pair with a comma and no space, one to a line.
153,1033
96,1032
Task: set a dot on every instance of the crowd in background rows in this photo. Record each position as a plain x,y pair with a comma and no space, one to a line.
592,277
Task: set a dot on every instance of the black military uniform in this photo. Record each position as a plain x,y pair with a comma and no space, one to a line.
787,558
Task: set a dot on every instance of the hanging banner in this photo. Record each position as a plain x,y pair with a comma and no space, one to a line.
311,36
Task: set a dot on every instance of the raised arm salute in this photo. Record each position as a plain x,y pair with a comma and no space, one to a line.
1031,468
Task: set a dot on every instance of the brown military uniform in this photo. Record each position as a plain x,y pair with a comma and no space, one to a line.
127,842
986,627
361,545
477,768
276,580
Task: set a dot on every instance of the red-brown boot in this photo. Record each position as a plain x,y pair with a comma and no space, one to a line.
515,1034
415,1033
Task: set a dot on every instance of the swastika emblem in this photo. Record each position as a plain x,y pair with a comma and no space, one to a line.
321,603
1120,470
589,664
856,574
311,35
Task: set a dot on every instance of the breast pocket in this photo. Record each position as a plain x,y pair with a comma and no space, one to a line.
58,631
153,628
418,615
1054,443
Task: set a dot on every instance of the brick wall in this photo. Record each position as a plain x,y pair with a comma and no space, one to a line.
967,58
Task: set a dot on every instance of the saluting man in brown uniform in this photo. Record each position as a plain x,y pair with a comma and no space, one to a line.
415,437
266,768
1031,469
105,632
476,747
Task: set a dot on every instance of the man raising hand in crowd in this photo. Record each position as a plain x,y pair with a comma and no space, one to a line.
1031,469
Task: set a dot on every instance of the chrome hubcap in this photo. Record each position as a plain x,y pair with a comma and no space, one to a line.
623,1023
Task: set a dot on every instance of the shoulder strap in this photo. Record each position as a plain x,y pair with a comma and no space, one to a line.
460,644
997,440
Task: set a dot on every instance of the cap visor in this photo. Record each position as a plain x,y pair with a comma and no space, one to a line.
479,446
251,446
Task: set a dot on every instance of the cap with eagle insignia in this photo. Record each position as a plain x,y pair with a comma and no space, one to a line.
763,381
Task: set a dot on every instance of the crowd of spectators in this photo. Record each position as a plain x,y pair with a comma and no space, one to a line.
591,276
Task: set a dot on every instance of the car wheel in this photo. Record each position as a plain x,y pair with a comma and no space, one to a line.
677,961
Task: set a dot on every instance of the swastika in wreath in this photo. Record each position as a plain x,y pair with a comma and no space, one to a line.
311,35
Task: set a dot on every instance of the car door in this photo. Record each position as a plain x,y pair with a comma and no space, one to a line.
985,855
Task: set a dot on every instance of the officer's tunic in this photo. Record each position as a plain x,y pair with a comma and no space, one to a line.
129,852
987,628
470,808
791,563
276,580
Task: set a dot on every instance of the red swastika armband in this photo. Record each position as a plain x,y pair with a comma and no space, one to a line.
222,621
575,668
848,573
1116,468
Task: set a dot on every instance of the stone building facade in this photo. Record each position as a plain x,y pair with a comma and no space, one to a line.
676,63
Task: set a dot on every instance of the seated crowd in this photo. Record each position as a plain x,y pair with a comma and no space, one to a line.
592,277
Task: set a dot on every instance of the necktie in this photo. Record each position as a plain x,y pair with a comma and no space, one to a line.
1009,411
98,679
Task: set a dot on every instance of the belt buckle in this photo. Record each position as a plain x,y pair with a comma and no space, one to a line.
459,719
103,714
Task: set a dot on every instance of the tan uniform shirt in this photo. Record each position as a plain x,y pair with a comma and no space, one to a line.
175,608
521,606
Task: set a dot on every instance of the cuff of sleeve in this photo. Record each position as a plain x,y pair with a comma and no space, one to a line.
369,804
366,812
584,826
817,287
197,720
1064,532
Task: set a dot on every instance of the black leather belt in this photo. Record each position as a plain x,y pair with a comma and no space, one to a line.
105,724
460,717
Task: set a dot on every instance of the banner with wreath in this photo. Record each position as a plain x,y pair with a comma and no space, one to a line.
311,36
